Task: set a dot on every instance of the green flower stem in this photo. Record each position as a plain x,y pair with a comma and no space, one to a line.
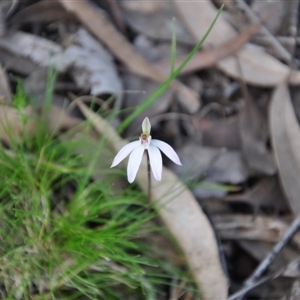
149,177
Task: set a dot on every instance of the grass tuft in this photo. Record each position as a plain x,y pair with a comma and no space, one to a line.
67,228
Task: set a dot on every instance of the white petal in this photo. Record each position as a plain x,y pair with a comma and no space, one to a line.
146,126
125,151
134,162
167,150
155,161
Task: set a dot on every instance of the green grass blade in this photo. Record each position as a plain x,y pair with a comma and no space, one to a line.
163,87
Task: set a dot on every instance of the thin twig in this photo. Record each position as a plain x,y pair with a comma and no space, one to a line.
253,279
276,250
246,289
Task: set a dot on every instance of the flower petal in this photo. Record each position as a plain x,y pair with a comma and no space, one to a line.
167,150
146,126
155,161
134,162
125,151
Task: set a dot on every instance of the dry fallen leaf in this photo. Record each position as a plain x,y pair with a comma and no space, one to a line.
16,63
244,227
198,15
35,85
223,133
262,8
271,73
142,87
295,290
259,249
13,124
292,269
254,135
160,14
36,49
183,217
195,159
146,87
208,58
285,136
229,167
91,66
266,192
218,164
43,11
6,9
5,92
124,51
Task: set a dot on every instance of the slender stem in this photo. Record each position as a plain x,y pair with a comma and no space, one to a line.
253,279
294,227
149,178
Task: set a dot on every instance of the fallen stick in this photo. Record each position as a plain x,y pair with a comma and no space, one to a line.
252,281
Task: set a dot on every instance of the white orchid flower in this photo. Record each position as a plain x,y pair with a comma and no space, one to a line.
136,150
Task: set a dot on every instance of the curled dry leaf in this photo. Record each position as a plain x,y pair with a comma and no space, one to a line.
183,217
285,136
125,52
34,48
198,15
90,65
43,11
